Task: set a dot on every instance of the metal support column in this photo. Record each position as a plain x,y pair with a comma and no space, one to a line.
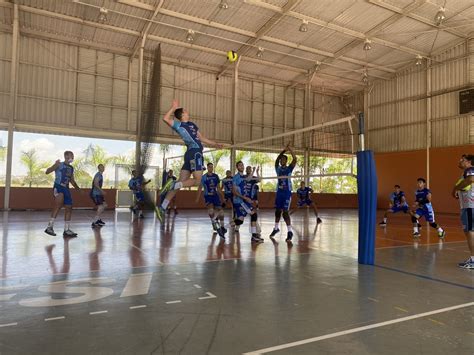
139,105
12,104
235,112
428,119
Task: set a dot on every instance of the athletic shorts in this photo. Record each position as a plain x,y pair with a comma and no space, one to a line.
467,219
242,209
97,199
214,200
283,200
396,209
193,160
139,196
228,197
428,213
59,189
306,202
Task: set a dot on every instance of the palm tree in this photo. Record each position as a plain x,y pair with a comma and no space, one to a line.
34,169
260,159
217,155
240,155
95,155
81,174
164,149
3,152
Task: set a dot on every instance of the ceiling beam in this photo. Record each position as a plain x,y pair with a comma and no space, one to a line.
141,41
337,28
418,18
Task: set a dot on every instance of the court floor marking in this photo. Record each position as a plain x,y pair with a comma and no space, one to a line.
419,245
358,329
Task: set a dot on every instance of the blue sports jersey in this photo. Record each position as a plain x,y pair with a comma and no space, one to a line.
96,191
284,184
250,186
136,184
63,174
303,194
397,199
421,197
227,184
210,184
239,183
188,131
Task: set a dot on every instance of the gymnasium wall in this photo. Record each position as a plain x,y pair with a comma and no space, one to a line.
403,168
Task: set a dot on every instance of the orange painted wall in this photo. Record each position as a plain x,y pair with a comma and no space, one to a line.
42,199
404,168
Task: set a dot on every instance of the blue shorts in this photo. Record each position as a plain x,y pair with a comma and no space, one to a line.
242,209
214,200
59,189
396,209
139,196
467,219
306,202
193,160
97,199
283,200
428,213
228,197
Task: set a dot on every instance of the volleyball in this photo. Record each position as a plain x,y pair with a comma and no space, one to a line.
232,56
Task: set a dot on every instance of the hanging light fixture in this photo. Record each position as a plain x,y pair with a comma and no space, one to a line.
367,44
102,15
419,60
304,26
223,5
317,67
190,36
440,16
260,52
365,77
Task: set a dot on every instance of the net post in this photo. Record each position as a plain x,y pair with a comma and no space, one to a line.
306,171
367,198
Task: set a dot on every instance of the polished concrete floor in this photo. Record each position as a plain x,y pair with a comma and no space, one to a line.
136,287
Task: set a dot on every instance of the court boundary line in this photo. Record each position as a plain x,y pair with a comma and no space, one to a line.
357,330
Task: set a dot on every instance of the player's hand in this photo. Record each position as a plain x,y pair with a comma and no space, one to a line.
57,161
174,104
455,194
247,199
218,146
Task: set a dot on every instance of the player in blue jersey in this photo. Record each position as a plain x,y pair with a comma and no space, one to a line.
464,191
243,204
210,183
172,205
423,208
227,187
64,175
97,195
304,200
193,162
283,194
136,184
398,203
252,181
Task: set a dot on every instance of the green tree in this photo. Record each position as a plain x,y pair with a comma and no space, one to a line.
240,155
215,156
3,153
95,155
260,159
35,169
164,149
81,172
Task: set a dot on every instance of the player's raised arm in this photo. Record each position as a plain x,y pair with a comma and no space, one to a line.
277,161
294,159
167,117
209,142
53,167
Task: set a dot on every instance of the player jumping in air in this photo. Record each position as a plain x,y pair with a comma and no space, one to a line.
398,203
193,162
64,174
212,197
423,208
283,194
98,196
304,200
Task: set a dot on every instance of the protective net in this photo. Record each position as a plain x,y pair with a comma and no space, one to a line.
324,152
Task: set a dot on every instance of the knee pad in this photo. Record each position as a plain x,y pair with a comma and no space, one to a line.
210,210
254,217
413,219
220,213
238,222
278,213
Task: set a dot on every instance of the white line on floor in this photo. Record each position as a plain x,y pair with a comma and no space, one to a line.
209,296
186,279
177,273
8,325
54,318
345,289
419,246
172,302
326,283
359,329
373,299
136,307
197,286
98,312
